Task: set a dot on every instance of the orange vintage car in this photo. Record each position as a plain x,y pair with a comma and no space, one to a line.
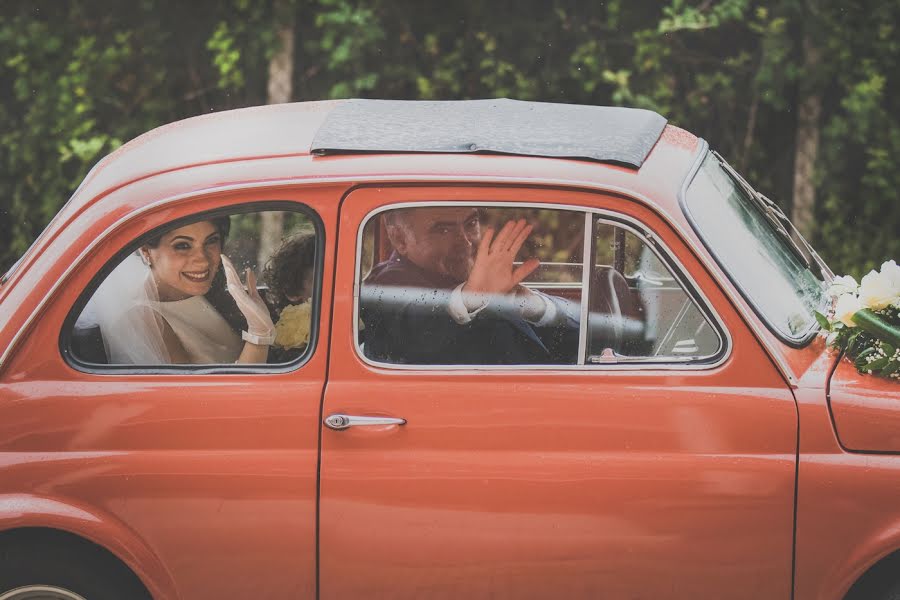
478,349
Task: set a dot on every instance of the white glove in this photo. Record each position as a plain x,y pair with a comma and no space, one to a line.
260,329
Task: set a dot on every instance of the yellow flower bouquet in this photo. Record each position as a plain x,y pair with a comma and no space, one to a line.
292,329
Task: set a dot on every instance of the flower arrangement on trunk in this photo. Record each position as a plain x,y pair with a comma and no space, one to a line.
865,320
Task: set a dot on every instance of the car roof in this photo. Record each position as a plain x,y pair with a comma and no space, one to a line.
227,136
306,128
501,126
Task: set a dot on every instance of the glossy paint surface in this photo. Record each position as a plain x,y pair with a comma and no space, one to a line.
866,410
543,483
848,516
519,483
205,485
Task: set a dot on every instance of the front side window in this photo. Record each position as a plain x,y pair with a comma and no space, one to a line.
221,289
784,290
489,285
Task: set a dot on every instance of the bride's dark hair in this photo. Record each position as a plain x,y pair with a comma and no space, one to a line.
223,224
218,294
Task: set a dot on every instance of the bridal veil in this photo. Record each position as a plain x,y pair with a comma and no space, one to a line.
123,309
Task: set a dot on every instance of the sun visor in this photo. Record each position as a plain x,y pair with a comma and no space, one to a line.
502,126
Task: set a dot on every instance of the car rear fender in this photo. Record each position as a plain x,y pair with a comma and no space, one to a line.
19,511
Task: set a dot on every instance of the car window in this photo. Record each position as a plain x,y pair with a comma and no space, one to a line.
169,299
488,285
521,299
638,308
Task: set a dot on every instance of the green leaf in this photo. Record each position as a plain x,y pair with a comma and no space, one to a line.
877,365
823,321
860,361
851,341
865,354
890,369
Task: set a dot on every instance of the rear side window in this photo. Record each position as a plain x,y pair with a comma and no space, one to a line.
165,300
489,285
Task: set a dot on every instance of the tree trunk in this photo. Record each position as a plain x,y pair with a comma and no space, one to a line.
280,90
281,66
806,146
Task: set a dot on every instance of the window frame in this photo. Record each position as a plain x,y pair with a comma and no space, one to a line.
654,241
65,336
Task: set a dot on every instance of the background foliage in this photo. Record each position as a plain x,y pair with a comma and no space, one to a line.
80,77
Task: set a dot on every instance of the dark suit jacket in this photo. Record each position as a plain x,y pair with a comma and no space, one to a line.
404,312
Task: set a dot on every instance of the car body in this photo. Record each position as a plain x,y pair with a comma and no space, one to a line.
766,468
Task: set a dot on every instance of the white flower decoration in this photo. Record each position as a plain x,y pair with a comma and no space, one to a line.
891,270
847,306
843,285
878,290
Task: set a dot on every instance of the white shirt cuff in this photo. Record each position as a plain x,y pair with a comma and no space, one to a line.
456,307
550,311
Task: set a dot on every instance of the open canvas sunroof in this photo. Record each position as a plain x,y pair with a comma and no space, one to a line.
602,133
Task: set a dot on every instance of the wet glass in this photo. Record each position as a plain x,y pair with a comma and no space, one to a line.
417,270
784,291
166,301
638,309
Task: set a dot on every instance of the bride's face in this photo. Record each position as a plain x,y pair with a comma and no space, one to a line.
185,260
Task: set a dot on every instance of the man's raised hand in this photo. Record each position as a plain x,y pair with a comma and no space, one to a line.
493,271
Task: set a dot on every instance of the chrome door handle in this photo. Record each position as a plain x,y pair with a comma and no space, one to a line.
341,422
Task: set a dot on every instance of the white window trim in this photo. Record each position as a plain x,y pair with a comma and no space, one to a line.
663,364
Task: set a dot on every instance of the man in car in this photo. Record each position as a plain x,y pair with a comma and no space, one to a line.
451,294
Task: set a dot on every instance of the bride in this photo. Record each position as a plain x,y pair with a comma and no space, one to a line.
166,303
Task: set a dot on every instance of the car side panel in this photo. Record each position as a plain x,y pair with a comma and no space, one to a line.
848,516
552,483
215,474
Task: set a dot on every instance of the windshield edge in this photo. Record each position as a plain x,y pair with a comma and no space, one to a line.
799,341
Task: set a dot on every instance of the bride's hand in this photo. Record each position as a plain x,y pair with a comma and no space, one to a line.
251,305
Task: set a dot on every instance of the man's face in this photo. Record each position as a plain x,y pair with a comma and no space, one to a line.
441,240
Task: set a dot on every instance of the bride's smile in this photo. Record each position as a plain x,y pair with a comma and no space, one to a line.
197,277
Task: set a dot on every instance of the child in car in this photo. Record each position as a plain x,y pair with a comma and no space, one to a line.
289,275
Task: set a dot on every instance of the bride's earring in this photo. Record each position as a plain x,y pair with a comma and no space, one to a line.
145,258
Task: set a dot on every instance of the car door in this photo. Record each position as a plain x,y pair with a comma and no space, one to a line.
642,468
211,469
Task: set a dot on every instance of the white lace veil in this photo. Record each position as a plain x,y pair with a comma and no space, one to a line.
124,309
